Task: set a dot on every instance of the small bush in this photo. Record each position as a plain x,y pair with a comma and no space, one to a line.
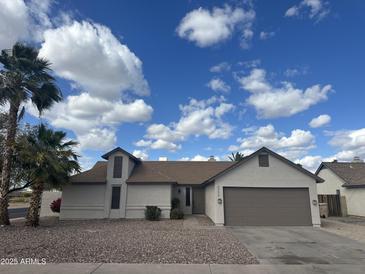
175,203
176,214
152,213
56,205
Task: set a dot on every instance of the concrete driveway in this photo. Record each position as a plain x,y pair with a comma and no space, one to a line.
299,245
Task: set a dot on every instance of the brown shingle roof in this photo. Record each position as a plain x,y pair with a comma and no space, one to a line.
352,173
181,172
97,174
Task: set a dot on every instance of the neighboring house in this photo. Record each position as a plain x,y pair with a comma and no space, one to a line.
346,179
262,189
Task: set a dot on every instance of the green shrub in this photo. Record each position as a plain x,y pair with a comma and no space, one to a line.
175,203
152,213
176,213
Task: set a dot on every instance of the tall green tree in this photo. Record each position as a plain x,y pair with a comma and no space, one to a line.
236,157
24,77
49,160
19,177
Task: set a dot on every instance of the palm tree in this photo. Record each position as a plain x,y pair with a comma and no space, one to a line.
236,157
24,77
50,160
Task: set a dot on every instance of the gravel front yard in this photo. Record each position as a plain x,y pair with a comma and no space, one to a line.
189,241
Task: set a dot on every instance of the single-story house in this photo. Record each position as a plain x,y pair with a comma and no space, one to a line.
262,189
346,179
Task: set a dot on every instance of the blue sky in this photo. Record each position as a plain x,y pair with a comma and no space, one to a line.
190,79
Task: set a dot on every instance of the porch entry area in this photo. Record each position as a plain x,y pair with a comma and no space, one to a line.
192,198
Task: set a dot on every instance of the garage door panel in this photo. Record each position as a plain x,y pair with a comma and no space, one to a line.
267,206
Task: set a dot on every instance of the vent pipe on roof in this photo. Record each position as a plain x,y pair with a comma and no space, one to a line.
211,159
357,159
163,159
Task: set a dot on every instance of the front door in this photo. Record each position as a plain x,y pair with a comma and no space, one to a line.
198,200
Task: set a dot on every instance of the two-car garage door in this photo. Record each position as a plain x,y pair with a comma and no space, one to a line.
267,206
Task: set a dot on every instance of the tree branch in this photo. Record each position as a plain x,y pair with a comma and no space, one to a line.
28,184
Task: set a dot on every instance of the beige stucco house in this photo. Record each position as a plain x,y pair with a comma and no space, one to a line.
346,179
262,189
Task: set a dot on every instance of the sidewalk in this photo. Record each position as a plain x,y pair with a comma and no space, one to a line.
89,268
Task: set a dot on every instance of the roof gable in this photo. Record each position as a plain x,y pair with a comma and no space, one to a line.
353,174
119,149
272,153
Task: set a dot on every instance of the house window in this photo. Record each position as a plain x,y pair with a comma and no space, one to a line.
118,166
264,160
115,197
187,196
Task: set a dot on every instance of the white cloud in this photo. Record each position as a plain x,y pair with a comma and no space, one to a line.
23,21
247,36
198,158
284,101
320,121
206,28
13,22
97,139
88,116
297,144
40,20
96,62
90,55
266,35
350,142
224,66
250,64
292,72
314,9
163,144
292,11
93,59
222,109
140,154
198,117
348,139
218,84
142,143
310,162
